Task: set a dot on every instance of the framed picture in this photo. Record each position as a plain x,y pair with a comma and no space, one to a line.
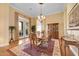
74,18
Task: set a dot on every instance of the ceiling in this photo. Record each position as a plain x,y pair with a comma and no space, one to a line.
33,9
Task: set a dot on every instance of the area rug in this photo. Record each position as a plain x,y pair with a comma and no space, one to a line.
40,50
24,50
31,51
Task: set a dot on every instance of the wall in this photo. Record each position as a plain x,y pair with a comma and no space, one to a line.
12,11
67,9
66,20
24,20
4,24
74,33
56,18
20,13
7,18
11,16
70,6
33,21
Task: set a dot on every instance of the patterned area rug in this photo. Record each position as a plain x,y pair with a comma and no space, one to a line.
25,50
39,50
31,51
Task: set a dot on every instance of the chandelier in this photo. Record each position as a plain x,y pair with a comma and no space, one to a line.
41,16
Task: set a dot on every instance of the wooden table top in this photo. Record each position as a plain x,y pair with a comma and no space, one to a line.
70,41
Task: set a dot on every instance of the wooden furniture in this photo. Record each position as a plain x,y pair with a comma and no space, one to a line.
33,39
53,28
11,28
43,36
47,46
68,41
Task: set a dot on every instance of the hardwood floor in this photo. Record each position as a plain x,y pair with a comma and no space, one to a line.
68,51
5,52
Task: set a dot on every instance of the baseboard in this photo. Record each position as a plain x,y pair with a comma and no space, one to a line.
3,45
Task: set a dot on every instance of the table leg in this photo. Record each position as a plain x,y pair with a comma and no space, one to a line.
78,51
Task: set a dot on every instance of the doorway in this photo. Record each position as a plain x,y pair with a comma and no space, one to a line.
54,29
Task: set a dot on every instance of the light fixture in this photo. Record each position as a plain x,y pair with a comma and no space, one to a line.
41,16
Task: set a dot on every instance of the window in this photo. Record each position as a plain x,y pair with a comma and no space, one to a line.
23,27
20,28
39,25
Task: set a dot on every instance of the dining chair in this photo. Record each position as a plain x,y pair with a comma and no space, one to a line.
33,39
46,47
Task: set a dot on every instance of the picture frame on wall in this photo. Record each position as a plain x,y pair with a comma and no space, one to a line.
74,18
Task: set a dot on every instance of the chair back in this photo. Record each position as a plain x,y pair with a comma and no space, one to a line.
33,36
43,36
33,39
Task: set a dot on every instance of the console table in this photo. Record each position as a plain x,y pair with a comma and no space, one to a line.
68,41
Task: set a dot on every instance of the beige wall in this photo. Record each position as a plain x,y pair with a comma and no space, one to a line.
66,21
7,18
4,24
72,33
70,6
12,11
56,18
11,16
68,9
33,21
